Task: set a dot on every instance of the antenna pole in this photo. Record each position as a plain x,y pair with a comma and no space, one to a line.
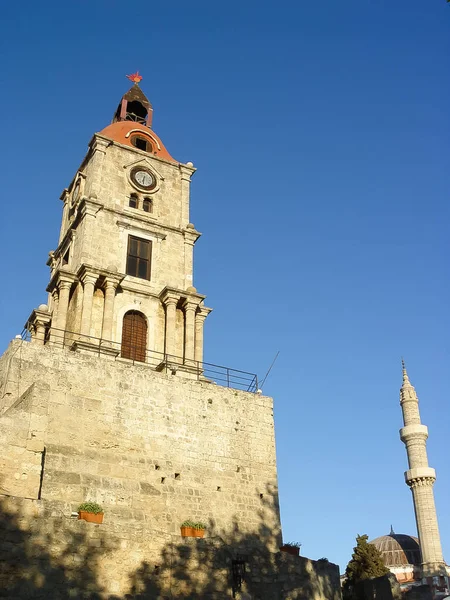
270,368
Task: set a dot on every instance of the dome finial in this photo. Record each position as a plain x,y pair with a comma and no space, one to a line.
392,532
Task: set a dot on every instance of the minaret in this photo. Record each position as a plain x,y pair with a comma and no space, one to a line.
420,478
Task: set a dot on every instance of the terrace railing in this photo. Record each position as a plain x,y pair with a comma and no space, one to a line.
159,361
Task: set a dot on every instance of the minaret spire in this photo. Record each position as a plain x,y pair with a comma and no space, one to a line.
420,477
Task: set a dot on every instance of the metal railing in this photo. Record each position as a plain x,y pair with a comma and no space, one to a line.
159,361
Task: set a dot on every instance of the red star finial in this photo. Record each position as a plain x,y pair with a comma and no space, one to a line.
135,77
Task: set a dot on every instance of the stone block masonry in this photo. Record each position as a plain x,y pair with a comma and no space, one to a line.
45,554
154,449
146,445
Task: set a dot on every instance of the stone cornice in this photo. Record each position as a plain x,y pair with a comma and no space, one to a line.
151,228
62,275
89,206
191,235
187,170
421,482
38,316
130,285
204,311
148,163
86,269
167,292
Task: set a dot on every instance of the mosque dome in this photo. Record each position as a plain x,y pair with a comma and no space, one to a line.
398,549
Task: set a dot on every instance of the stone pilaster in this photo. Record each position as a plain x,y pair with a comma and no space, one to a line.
54,305
190,237
420,478
186,172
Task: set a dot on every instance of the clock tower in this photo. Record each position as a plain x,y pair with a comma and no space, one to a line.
107,407
121,278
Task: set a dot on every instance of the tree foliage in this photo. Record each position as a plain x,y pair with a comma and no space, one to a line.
366,563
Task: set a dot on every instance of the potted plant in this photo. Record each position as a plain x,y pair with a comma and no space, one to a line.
90,511
291,548
192,529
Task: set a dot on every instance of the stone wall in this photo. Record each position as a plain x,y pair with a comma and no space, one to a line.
46,554
388,588
148,445
154,449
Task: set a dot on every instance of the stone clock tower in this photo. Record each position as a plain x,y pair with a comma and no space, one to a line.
122,274
107,399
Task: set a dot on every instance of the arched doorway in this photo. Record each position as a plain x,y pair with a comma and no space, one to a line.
134,336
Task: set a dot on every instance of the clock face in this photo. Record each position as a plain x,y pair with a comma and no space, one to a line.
143,178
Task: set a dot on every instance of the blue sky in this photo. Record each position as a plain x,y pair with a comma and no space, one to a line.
320,132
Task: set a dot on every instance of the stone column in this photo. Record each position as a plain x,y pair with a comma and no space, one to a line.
55,304
108,310
63,304
89,281
188,260
189,332
199,324
171,315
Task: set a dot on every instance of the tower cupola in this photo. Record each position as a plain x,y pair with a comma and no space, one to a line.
134,105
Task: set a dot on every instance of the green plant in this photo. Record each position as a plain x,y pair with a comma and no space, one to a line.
366,563
292,544
193,524
90,507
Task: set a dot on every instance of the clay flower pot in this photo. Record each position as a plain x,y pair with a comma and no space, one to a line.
192,532
90,517
291,550
199,533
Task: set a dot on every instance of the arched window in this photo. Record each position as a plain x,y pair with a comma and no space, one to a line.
134,336
147,205
142,143
133,201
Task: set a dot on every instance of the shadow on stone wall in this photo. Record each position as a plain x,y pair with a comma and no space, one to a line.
42,565
44,555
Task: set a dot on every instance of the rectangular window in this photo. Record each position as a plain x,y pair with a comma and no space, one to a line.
139,257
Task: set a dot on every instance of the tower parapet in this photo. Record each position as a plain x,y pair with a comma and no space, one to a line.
420,477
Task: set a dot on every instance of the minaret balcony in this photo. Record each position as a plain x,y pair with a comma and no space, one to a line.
416,431
425,474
